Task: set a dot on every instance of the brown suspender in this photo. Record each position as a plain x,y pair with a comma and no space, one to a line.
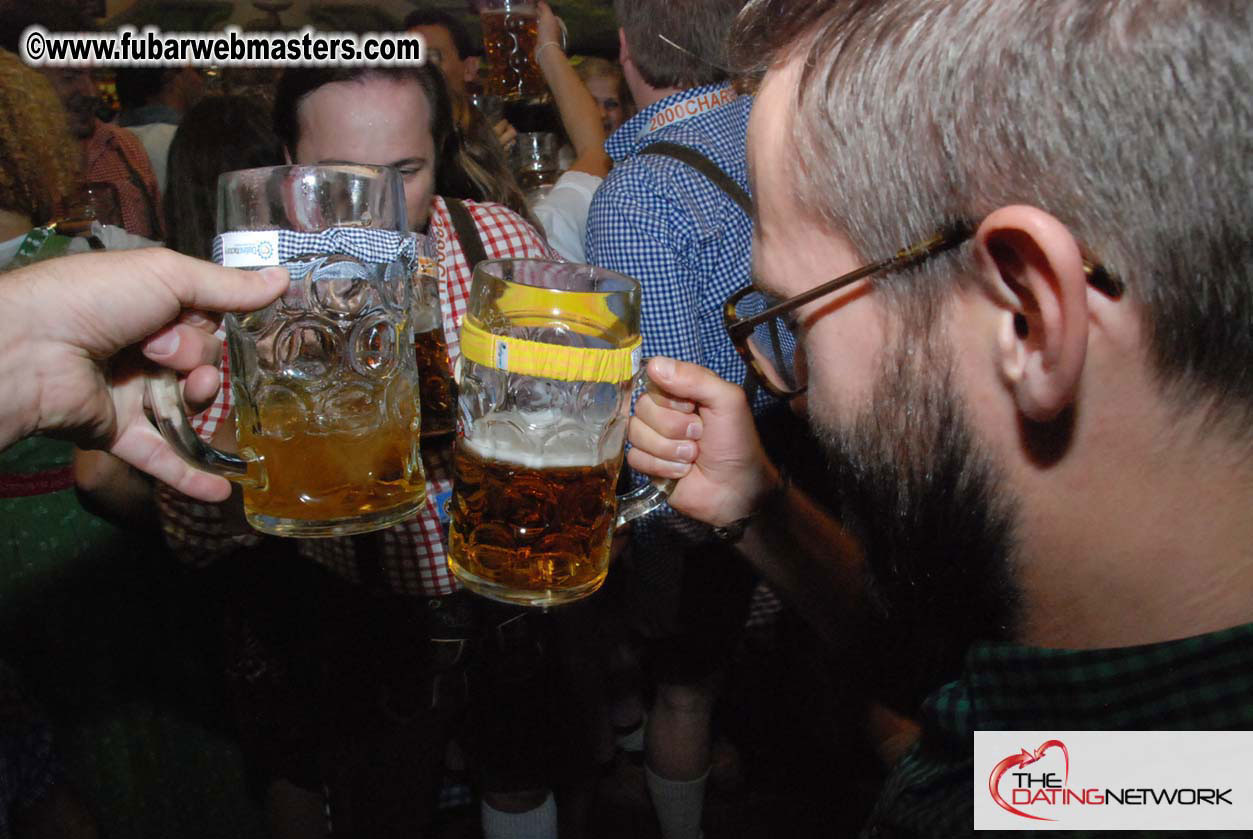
467,233
724,182
706,167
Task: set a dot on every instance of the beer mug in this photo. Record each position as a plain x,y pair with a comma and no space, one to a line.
436,390
510,33
550,356
535,163
323,381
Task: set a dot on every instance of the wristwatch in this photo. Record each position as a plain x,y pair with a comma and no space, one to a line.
734,532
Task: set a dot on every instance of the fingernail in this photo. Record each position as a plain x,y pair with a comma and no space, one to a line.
274,274
681,469
694,431
686,451
199,321
663,368
164,345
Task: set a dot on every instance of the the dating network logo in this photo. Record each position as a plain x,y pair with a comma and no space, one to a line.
1151,780
1018,761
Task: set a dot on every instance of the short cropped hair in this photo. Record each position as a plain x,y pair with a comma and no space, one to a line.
456,29
1130,122
698,26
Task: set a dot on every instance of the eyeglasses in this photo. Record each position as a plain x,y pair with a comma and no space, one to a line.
763,329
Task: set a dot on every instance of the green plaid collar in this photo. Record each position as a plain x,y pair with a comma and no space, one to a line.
1204,682
1197,683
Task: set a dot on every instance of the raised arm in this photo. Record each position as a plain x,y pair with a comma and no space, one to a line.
578,110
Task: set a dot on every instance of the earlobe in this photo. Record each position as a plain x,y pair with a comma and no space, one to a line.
1035,275
287,156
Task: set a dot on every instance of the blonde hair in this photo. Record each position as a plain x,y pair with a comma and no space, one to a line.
593,67
38,157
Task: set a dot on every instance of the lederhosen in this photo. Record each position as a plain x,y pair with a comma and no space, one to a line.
716,585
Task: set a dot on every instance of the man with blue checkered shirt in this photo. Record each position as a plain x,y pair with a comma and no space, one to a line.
682,226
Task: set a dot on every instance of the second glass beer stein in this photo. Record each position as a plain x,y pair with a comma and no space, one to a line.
510,35
324,380
437,391
550,355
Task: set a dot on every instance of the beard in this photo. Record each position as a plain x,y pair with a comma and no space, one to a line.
927,504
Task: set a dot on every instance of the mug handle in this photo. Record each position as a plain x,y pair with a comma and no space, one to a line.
643,500
167,410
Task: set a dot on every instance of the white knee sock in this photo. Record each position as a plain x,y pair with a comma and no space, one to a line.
540,823
679,804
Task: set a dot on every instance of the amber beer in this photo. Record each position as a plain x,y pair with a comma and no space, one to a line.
509,41
328,476
435,384
531,534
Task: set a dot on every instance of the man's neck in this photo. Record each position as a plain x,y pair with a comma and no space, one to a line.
644,94
1149,542
650,96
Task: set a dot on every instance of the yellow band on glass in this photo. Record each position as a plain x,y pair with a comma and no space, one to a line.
548,361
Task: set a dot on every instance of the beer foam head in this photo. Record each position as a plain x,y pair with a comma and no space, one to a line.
563,446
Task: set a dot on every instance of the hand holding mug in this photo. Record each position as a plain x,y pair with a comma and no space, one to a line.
694,427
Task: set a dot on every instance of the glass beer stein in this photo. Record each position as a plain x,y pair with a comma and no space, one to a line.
550,355
510,35
436,391
324,380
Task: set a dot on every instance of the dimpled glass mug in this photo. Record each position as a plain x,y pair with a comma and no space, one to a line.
550,355
324,380
510,36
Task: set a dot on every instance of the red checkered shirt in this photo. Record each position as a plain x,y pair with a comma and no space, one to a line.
115,156
412,553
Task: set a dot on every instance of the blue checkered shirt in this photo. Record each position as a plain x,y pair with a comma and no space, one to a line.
665,224
660,221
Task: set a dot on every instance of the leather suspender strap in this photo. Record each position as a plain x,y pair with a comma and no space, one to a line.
150,203
467,232
724,182
706,167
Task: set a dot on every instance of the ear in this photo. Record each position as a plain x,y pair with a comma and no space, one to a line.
471,68
1035,270
624,52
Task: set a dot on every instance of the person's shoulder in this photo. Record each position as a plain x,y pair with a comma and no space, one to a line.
489,214
129,144
119,135
504,232
582,182
641,177
660,179
158,130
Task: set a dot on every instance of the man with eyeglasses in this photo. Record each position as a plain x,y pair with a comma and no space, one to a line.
1037,420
